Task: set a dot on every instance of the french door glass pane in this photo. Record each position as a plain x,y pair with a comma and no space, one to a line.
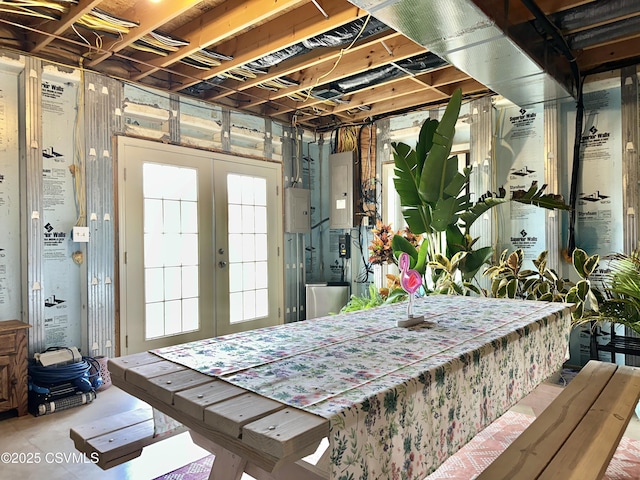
190,282
190,314
189,217
235,247
247,226
170,250
261,220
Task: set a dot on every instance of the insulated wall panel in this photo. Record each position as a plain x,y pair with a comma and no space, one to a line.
61,275
10,285
520,161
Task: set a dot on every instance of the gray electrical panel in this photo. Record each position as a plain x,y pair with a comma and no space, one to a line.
297,210
341,190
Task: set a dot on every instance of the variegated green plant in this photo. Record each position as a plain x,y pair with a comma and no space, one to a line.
510,280
619,301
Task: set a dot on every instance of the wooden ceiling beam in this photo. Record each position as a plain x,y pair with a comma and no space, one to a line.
386,87
411,100
302,62
282,32
149,20
448,75
432,80
218,24
518,13
609,54
54,29
351,63
380,93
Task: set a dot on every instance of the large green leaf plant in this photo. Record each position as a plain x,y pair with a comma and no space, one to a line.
436,201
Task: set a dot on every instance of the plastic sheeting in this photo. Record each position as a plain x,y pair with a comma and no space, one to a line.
334,38
414,65
346,33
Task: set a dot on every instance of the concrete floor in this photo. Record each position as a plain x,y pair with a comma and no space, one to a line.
48,436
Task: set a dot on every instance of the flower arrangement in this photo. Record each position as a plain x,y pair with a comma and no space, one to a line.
381,246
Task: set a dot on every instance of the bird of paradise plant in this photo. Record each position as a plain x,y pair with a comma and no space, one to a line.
436,202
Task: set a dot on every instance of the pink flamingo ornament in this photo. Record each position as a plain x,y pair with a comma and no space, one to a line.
410,281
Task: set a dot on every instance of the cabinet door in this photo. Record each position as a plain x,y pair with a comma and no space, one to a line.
5,383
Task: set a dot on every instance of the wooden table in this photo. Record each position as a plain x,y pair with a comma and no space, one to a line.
392,402
246,432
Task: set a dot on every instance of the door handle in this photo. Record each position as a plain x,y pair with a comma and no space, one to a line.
222,264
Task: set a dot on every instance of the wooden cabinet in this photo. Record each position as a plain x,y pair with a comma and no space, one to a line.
13,366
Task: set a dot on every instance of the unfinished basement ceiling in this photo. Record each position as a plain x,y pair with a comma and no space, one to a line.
323,63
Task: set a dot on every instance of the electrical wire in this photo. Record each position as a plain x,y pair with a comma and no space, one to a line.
77,168
342,52
158,43
73,27
363,277
33,8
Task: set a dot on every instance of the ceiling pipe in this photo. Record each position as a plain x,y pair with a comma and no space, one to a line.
594,12
561,43
322,10
556,36
609,31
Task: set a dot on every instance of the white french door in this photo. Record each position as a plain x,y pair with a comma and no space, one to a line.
195,230
248,292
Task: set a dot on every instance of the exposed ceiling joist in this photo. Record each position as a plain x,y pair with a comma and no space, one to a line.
209,49
53,29
277,35
224,21
149,21
296,64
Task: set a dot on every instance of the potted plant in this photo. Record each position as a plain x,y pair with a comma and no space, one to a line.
510,280
436,202
619,300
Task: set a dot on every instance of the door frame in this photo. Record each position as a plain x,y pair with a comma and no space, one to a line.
119,194
270,171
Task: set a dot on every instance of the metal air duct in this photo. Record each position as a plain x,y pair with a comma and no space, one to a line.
462,34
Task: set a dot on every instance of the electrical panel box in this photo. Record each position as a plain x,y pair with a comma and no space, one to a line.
297,210
341,190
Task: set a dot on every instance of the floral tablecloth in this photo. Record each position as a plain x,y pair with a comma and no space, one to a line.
400,400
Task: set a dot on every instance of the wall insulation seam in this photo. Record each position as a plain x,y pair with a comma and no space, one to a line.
630,137
483,173
226,130
383,155
268,139
174,119
551,172
100,205
32,200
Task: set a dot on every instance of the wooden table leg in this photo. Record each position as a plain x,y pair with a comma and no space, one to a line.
229,466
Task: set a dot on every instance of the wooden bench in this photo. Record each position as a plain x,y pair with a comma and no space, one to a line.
113,440
578,433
